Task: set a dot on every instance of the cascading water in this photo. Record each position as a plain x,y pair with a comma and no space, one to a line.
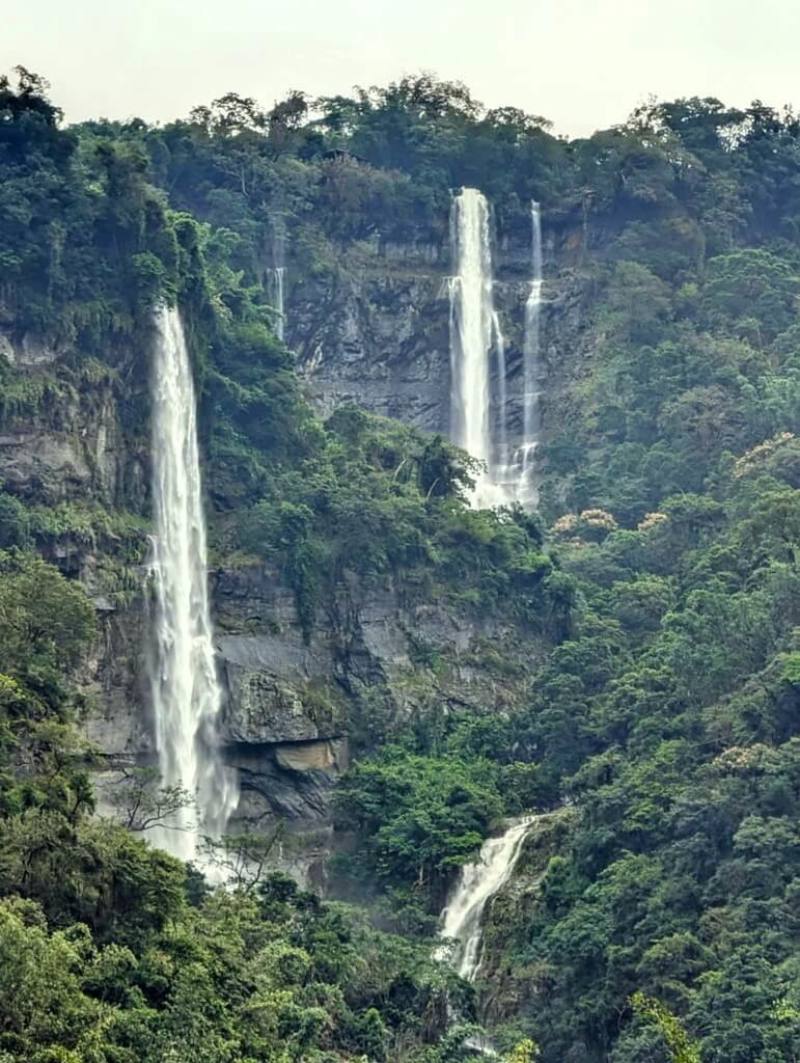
477,885
278,274
473,328
526,491
475,335
185,691
502,389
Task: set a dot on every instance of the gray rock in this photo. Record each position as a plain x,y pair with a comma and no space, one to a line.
53,463
29,352
379,336
262,708
289,781
118,719
378,339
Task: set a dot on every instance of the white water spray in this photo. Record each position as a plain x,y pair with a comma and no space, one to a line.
476,335
526,490
185,691
473,328
278,273
502,388
477,884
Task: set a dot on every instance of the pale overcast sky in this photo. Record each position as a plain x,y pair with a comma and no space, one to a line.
582,63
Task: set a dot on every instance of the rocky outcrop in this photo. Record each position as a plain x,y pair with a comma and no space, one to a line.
27,352
62,436
118,720
294,709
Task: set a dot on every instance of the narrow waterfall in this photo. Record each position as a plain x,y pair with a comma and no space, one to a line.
526,490
277,276
477,884
278,273
185,691
473,328
502,392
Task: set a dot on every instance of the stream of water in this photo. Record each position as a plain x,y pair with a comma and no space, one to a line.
480,419
185,692
478,883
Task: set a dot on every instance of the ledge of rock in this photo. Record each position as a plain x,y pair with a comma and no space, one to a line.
291,781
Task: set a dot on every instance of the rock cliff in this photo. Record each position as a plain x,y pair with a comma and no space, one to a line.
376,332
295,711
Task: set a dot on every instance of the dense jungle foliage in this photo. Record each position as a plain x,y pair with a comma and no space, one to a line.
664,921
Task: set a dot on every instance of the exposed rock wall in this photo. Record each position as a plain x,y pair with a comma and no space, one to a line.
294,709
375,335
65,438
294,712
376,332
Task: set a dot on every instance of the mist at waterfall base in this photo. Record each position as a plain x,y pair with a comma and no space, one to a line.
478,883
184,687
479,419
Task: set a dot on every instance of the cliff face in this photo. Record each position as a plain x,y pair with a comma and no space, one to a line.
375,333
63,439
296,711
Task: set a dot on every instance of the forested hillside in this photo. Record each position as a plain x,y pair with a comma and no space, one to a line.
626,658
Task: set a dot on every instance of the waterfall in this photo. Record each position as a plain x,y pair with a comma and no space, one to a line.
277,275
477,884
473,328
185,691
502,391
526,491
475,335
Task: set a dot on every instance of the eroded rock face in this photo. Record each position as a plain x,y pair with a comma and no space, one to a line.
312,756
289,780
374,659
381,342
70,443
32,463
119,722
377,332
270,695
27,352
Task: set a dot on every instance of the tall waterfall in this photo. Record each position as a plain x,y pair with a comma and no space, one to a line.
501,448
477,884
185,691
475,337
526,491
278,274
473,329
